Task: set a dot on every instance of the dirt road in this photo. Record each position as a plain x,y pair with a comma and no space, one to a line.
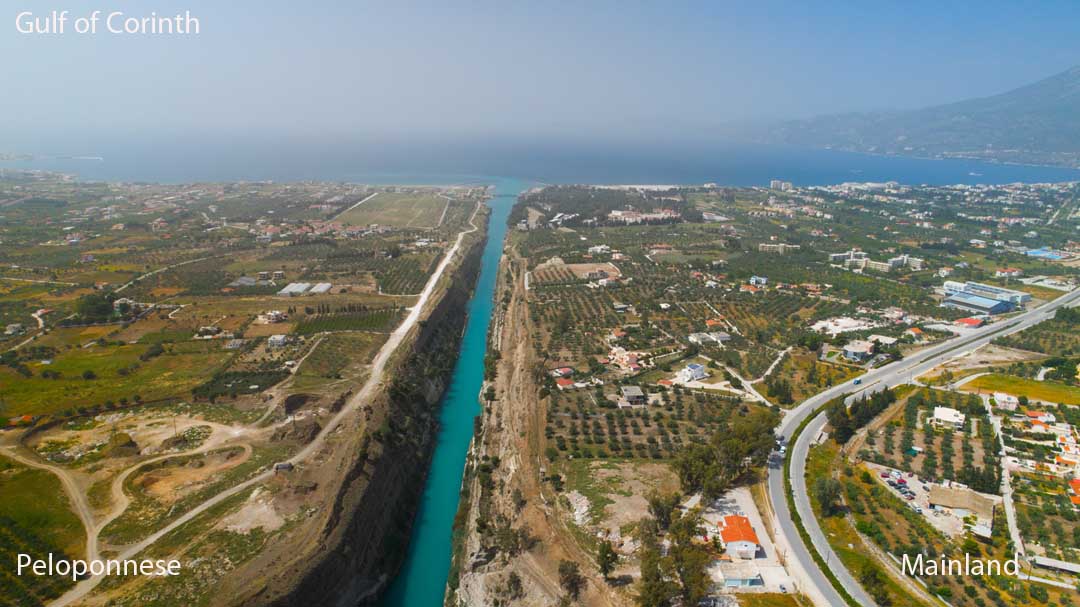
513,432
364,395
75,494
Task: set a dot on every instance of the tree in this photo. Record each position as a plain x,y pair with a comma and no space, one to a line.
514,588
654,590
688,558
731,452
971,546
570,578
780,389
94,307
827,493
840,421
845,421
606,557
661,507
871,580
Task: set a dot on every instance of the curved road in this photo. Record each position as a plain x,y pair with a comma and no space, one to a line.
893,374
74,493
364,395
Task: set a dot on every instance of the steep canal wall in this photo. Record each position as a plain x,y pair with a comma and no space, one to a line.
362,543
422,580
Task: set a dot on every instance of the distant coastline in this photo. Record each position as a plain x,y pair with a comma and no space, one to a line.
724,162
954,156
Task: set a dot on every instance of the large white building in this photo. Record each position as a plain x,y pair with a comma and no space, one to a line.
859,260
779,247
715,337
1016,298
947,417
691,372
858,350
277,341
1007,402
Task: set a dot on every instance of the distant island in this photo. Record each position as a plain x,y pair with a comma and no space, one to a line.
1034,124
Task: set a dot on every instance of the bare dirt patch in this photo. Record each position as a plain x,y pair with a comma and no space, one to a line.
171,483
990,354
628,504
258,512
159,292
146,326
263,330
561,272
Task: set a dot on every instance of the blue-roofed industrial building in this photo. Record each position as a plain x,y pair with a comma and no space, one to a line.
1045,253
1015,298
976,303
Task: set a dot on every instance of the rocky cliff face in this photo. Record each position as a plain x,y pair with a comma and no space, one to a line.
361,538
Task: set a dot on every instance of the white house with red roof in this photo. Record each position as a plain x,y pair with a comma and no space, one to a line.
740,540
1042,416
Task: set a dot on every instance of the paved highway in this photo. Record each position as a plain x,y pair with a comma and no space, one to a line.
890,375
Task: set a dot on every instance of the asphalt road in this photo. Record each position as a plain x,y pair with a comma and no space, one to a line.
893,374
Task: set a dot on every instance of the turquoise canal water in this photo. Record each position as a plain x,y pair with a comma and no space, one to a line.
422,580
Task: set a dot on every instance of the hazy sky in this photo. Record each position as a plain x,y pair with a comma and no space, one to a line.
514,68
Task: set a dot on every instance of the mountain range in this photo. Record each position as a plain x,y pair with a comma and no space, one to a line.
1035,124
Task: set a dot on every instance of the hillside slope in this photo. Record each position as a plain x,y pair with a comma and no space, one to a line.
1038,123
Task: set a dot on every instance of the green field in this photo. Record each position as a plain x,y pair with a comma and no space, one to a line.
401,210
35,519
379,320
768,600
1048,391
34,499
118,373
337,351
